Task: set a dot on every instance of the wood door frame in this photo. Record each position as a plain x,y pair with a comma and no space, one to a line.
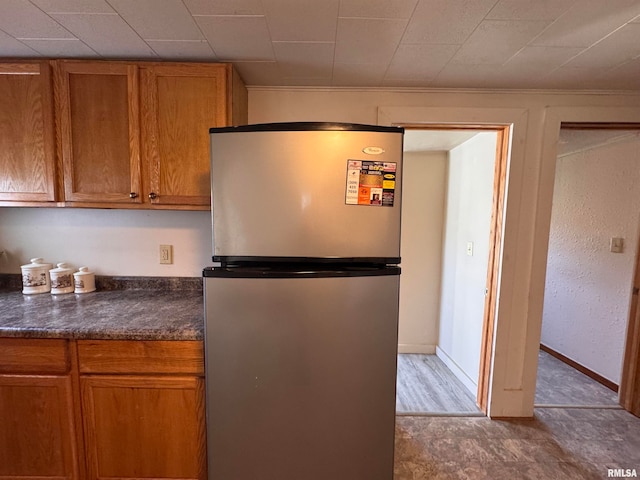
629,388
503,133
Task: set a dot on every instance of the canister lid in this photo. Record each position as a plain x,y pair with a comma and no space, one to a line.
36,263
83,271
62,268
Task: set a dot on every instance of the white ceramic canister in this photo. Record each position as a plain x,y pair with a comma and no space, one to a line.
84,280
35,277
61,279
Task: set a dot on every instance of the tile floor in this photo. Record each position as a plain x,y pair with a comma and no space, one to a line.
559,443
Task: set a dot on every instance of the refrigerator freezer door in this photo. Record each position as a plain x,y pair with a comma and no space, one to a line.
284,194
301,377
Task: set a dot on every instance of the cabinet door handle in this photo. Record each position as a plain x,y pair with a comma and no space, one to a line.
153,195
133,195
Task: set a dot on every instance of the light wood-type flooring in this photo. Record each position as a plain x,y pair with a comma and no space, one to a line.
426,386
595,439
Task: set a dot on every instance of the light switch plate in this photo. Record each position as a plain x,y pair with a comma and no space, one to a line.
616,245
166,254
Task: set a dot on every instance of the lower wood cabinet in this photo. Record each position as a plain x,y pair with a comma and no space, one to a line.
135,415
38,428
37,435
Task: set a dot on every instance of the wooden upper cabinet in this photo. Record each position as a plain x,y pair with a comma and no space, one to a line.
98,131
136,134
179,105
27,152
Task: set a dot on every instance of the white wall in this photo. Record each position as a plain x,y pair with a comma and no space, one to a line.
423,194
464,277
110,242
588,288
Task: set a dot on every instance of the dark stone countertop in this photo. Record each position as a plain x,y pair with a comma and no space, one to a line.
123,308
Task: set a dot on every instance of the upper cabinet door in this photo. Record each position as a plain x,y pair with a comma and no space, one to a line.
179,105
27,153
98,131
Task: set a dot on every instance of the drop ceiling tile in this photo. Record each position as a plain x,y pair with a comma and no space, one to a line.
10,47
22,19
357,75
158,19
544,56
61,48
463,76
445,21
365,40
183,50
377,8
306,81
496,41
529,9
237,38
305,59
259,73
225,7
74,6
587,22
623,77
416,61
619,47
302,20
573,78
107,34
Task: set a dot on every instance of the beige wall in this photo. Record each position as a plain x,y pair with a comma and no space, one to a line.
588,288
423,193
464,273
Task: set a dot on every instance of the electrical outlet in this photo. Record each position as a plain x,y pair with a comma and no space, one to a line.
166,254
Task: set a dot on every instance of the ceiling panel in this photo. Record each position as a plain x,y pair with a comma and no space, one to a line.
183,50
416,61
302,20
496,41
11,47
588,21
22,19
305,59
106,34
619,47
225,7
529,9
158,19
377,8
237,37
503,44
61,48
74,6
366,40
446,21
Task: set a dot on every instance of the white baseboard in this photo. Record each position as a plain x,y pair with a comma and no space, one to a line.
467,381
417,348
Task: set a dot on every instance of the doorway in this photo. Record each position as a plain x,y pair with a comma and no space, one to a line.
452,203
592,255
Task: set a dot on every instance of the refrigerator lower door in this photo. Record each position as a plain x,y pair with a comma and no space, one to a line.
301,377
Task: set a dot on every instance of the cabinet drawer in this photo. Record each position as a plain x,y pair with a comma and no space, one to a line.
122,356
21,355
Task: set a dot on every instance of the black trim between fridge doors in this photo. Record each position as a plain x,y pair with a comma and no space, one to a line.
296,272
229,260
306,126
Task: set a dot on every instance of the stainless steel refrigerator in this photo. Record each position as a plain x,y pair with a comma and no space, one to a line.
302,308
